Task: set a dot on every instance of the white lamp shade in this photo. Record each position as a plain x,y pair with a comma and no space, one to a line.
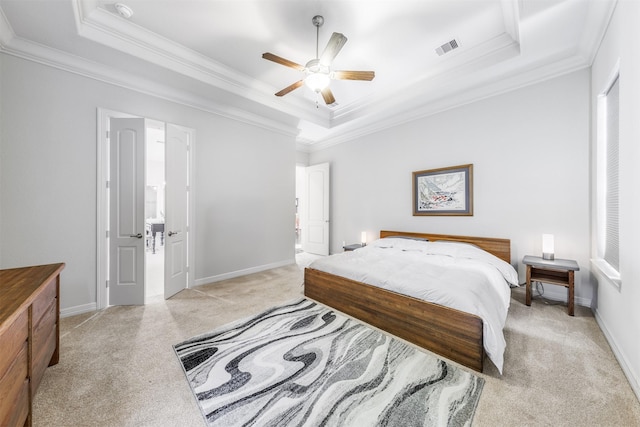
547,246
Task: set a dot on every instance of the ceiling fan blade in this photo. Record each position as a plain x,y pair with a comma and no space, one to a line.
336,42
328,96
354,75
280,60
289,88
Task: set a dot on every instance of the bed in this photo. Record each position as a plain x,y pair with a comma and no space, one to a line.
453,333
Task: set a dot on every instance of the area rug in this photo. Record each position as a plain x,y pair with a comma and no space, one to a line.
302,364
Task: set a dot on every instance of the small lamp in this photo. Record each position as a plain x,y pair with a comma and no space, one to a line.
547,247
363,238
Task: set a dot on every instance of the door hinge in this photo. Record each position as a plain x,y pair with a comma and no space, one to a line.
107,234
108,184
107,132
107,283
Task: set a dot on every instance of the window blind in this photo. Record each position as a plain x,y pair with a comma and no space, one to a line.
612,128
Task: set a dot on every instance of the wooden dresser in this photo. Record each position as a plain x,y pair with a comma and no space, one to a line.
29,336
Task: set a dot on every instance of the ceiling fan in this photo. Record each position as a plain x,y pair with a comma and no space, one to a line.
318,71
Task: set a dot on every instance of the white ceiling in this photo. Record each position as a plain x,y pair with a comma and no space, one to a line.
207,53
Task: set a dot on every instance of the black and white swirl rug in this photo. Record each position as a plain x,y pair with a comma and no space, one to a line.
302,364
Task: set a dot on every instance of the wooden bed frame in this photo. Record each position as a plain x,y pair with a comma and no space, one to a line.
448,332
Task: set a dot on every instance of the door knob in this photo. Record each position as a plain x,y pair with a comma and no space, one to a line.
139,235
171,233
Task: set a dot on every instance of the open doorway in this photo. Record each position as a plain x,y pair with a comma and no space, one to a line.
300,200
139,200
312,213
154,211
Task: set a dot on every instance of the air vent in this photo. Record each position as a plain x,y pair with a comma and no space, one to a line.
447,47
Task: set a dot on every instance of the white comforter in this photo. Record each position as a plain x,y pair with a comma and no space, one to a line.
455,275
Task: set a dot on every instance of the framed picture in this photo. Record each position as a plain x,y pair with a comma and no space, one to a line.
444,191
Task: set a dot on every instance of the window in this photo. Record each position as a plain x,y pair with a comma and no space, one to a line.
612,132
608,225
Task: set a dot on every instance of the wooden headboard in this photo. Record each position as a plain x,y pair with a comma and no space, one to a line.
498,247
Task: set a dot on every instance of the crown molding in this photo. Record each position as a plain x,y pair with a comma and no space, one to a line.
438,92
107,29
446,74
6,32
474,91
591,40
45,55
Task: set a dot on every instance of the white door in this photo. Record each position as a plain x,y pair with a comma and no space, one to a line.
177,143
315,228
126,224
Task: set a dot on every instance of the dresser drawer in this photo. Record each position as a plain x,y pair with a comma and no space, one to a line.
41,362
12,385
43,328
20,412
12,340
44,344
29,313
41,303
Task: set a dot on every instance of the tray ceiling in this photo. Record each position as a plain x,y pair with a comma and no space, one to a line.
207,53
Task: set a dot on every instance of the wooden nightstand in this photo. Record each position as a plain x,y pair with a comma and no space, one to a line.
557,272
352,247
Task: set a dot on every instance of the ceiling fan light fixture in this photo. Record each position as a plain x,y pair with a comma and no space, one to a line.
317,72
317,81
318,75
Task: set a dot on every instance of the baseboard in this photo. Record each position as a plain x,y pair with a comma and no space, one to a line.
238,273
634,381
78,309
87,308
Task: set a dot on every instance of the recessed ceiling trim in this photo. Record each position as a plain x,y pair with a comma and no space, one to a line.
511,17
45,55
6,32
105,28
497,64
446,100
450,73
591,40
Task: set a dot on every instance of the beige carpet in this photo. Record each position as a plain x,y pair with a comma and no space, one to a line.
117,367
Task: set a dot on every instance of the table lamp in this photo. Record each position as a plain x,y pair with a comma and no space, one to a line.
547,247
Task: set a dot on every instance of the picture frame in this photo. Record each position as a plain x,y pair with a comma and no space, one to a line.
443,191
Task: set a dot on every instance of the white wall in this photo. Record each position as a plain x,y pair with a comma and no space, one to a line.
530,153
617,310
246,216
244,179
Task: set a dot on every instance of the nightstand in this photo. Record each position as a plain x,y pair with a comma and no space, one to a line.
352,247
557,272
